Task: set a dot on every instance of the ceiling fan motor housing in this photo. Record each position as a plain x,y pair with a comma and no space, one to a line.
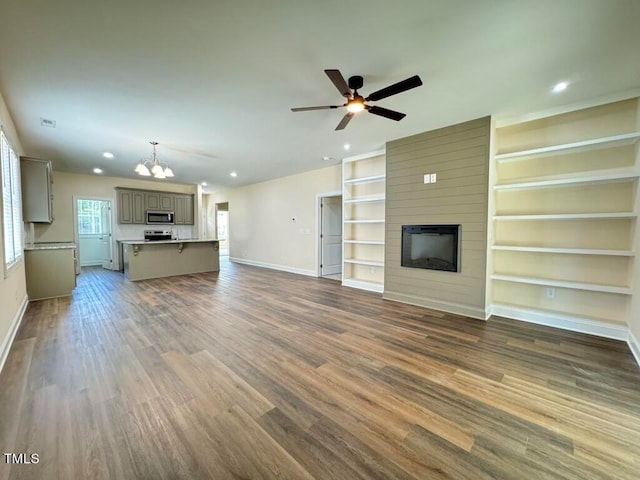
356,82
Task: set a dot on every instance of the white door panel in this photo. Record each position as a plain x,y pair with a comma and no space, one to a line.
331,235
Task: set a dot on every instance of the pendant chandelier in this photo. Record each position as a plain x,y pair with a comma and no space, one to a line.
146,168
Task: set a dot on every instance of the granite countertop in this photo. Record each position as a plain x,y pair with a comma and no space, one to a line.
50,246
186,240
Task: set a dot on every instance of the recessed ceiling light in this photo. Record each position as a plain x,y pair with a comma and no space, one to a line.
560,87
97,170
204,184
107,155
234,174
347,146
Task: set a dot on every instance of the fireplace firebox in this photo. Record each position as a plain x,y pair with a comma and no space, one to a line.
433,247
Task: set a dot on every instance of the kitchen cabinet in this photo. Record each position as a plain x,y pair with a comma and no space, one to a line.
131,207
50,270
184,209
159,201
37,195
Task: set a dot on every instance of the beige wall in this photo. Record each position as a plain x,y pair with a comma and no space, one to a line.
459,156
261,228
13,289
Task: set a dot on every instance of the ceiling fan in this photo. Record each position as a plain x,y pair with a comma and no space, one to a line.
355,102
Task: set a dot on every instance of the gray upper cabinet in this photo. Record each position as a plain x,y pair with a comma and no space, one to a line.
37,195
152,200
159,201
184,209
133,204
131,207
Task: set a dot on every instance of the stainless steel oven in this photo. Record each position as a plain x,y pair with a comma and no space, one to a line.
155,217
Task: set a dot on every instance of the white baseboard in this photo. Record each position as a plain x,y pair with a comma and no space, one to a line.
283,268
13,330
458,309
634,346
562,321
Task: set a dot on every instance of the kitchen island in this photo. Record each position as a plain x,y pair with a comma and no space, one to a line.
165,258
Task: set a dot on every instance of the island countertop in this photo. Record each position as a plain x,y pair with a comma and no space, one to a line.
160,242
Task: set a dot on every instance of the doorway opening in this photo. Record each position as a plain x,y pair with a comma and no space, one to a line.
222,227
330,236
94,232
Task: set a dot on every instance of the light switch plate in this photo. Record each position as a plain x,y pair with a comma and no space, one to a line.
433,178
427,178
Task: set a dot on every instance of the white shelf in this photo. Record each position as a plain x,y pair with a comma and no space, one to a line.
361,180
367,199
593,287
613,141
619,175
363,284
568,216
365,221
572,251
366,242
371,263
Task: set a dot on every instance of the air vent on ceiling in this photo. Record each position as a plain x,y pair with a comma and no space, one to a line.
45,122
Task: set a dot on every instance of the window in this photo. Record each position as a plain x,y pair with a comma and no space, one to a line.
89,217
11,205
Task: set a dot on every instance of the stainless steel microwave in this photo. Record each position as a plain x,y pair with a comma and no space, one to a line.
155,217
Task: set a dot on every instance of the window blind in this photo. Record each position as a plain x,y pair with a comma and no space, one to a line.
11,203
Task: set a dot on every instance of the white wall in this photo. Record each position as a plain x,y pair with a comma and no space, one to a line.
262,228
13,289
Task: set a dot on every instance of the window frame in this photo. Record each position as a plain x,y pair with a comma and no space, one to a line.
15,197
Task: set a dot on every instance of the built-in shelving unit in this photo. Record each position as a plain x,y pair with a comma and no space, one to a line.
363,200
565,195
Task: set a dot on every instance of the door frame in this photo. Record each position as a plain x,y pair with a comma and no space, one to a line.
318,243
215,222
76,235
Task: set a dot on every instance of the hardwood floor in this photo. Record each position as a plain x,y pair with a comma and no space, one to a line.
258,374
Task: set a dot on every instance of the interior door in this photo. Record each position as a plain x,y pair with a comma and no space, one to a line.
106,236
331,236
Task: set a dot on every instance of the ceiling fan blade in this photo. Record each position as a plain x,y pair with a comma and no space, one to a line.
338,80
396,88
385,112
345,120
306,109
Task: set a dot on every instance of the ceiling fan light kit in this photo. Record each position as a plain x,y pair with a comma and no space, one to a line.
147,168
356,103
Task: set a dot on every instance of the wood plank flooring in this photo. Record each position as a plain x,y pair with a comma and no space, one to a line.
257,374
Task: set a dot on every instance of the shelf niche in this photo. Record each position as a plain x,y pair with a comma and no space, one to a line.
564,229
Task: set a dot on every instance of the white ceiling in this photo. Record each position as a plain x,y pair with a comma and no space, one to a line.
213,81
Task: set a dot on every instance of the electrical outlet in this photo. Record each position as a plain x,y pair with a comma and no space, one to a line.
433,178
550,292
427,178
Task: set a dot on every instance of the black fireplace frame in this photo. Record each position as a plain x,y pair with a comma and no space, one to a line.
455,230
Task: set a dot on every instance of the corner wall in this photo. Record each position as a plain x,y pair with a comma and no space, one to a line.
261,227
13,288
459,156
